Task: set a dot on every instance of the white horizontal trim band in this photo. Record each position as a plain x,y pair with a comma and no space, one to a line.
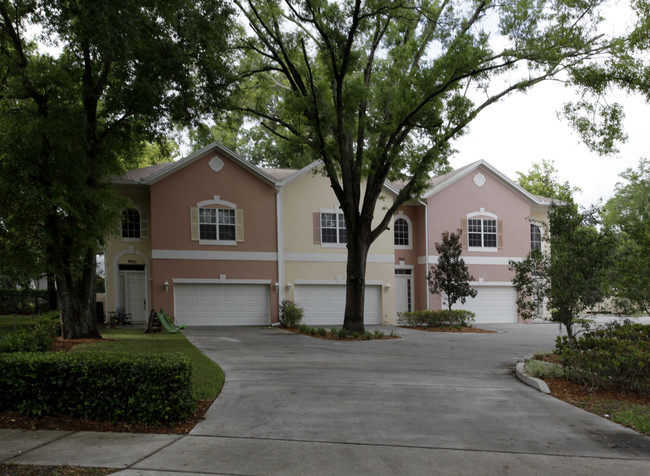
335,258
486,260
214,255
324,282
219,281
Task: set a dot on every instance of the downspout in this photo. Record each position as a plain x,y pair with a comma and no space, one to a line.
279,214
426,247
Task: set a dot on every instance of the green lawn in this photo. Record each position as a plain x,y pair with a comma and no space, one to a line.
207,376
12,323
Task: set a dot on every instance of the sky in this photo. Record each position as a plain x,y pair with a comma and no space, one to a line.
524,129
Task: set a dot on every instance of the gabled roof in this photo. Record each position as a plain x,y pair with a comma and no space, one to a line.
155,173
439,183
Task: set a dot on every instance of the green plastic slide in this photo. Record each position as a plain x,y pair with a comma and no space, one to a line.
167,325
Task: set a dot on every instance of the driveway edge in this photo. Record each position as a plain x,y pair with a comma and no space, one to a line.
532,381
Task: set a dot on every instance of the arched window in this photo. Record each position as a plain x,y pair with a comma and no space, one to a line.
130,223
402,231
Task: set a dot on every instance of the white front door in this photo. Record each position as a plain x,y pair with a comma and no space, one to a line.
133,294
403,290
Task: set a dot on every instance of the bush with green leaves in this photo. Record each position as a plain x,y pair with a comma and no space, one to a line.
442,318
151,389
290,314
37,339
615,356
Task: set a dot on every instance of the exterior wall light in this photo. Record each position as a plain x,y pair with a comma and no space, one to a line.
166,286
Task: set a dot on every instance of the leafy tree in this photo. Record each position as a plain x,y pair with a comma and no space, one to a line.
628,214
126,72
450,277
572,275
379,89
542,179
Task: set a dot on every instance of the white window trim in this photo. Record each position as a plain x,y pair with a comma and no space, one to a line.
136,240
332,245
216,203
401,215
483,214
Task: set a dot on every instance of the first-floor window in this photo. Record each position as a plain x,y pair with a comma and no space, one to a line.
332,227
482,232
217,224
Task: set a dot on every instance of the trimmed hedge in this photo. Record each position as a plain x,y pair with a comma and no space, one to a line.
617,356
441,318
114,387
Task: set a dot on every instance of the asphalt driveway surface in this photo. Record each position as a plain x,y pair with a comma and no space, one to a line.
427,403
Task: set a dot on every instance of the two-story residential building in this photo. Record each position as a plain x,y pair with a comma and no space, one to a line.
215,240
500,221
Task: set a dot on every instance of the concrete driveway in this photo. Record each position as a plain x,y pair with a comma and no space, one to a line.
428,403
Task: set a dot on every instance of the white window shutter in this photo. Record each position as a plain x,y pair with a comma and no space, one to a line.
194,223
239,225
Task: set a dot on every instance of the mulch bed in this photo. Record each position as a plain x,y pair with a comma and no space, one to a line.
329,336
12,419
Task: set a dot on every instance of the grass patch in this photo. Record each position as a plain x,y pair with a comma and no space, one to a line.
539,369
207,376
10,324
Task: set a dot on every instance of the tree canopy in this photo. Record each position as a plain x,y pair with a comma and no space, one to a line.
379,89
124,74
542,179
628,213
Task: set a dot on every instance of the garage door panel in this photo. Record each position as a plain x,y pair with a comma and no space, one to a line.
492,304
222,304
325,304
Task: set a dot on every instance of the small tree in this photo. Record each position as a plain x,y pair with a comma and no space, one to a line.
573,276
450,277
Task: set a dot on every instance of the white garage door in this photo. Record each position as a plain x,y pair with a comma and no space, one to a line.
222,304
492,304
324,305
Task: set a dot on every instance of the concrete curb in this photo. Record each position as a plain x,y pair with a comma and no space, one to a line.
532,381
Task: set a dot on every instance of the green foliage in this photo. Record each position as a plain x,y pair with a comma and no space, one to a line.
379,91
22,301
37,339
570,278
628,214
70,121
617,355
441,318
151,389
542,179
290,314
450,277
536,368
322,332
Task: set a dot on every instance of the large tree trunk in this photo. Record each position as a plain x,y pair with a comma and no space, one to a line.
355,283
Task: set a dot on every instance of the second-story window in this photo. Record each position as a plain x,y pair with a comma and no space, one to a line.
482,232
217,224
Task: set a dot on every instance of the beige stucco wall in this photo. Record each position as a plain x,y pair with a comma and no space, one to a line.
309,261
121,251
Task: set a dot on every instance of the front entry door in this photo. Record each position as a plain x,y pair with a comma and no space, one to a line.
133,294
403,290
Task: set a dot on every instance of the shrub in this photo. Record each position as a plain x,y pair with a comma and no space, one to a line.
322,332
617,355
37,339
342,333
290,314
147,389
444,317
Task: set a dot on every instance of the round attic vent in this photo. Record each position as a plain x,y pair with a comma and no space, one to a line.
216,164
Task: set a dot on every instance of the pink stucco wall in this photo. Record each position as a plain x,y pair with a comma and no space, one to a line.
171,200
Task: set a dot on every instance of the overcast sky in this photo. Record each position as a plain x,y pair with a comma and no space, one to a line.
524,129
